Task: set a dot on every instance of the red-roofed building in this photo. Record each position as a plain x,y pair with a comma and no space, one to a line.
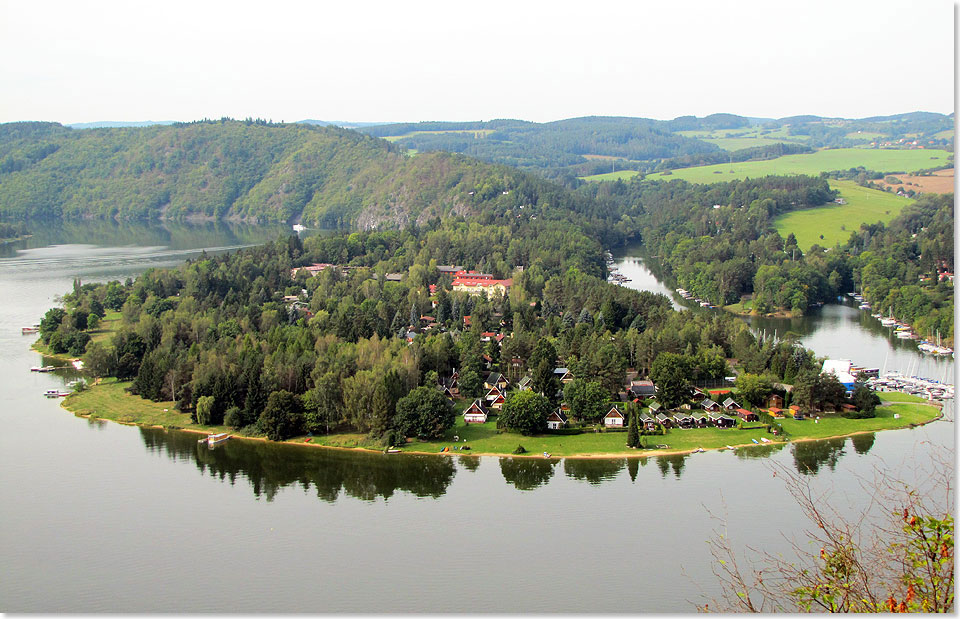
472,282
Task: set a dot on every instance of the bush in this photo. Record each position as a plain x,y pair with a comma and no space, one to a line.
519,450
565,431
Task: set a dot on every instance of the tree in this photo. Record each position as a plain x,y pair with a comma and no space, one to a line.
283,415
470,384
524,411
98,360
753,388
902,562
586,399
670,372
424,413
865,400
204,410
633,434
544,381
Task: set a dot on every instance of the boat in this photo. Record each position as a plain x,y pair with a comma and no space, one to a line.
546,455
731,448
26,330
755,441
764,440
299,228
55,393
77,363
216,439
699,450
392,450
43,368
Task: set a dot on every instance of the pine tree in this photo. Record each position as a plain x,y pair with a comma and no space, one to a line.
633,435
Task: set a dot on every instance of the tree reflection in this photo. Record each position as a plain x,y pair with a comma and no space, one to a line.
863,442
759,451
676,461
592,470
269,467
527,473
809,456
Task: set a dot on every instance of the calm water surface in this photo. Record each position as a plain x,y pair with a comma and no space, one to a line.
100,517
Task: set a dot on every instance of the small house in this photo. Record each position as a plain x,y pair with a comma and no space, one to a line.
524,383
655,407
730,404
614,418
665,421
556,420
794,411
710,406
701,420
647,423
563,374
475,413
685,420
697,395
746,415
776,413
643,388
775,401
495,379
721,421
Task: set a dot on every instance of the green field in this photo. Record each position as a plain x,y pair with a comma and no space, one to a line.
110,400
476,133
835,222
812,163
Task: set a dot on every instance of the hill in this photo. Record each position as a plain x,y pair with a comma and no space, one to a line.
246,170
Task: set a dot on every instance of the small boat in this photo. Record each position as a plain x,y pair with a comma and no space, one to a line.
731,448
26,330
699,450
392,450
755,441
55,393
77,363
546,455
764,440
216,439
43,368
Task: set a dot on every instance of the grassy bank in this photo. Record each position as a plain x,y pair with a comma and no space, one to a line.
109,400
109,325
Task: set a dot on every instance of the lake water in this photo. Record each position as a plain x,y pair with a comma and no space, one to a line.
99,517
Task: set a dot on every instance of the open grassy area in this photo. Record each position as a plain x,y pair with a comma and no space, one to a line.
835,222
881,160
475,133
108,326
109,400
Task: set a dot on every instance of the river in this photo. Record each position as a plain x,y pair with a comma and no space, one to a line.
100,517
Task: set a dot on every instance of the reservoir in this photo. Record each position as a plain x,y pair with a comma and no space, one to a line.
101,517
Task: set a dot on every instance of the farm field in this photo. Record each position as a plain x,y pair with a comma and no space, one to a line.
475,133
941,181
813,163
833,223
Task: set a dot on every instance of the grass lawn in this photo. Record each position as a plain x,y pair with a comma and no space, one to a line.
881,160
909,408
109,400
836,221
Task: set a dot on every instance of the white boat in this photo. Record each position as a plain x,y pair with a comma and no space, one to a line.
55,393
26,330
298,228
77,363
216,439
43,368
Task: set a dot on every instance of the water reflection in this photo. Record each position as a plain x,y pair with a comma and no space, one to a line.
593,471
759,451
269,467
863,442
809,456
676,461
527,473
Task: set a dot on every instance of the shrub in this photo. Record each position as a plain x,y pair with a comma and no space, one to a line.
519,450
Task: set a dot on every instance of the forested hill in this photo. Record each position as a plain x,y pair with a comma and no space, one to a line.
249,170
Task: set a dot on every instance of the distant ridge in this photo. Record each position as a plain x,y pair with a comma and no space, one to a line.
111,124
340,123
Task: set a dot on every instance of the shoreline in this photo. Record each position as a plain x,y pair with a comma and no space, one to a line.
299,441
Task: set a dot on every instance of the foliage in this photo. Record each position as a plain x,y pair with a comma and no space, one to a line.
281,418
424,413
586,399
671,374
866,401
524,411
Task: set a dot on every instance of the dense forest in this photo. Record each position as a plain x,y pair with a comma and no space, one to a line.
247,170
237,339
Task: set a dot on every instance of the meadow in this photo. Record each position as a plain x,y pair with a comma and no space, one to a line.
831,224
881,160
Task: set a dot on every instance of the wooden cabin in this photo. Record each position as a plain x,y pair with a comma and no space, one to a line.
721,421
614,418
710,406
556,420
730,404
475,413
746,415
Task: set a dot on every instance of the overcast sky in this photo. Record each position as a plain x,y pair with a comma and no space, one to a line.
82,61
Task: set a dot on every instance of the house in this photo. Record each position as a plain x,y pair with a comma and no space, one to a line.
848,408
655,407
665,421
710,406
701,420
480,283
495,379
722,421
492,395
730,404
794,411
445,391
642,388
475,413
524,383
685,420
556,420
747,415
453,386
647,423
776,413
775,401
563,374
449,268
497,402
614,418
697,394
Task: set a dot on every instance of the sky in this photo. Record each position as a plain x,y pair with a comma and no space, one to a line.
85,61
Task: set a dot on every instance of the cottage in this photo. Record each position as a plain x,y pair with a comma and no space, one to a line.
495,379
697,394
524,383
497,402
445,391
776,413
563,374
721,421
730,404
475,413
614,418
643,388
775,401
794,411
665,421
710,406
655,407
556,420
747,415
701,420
685,420
647,423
